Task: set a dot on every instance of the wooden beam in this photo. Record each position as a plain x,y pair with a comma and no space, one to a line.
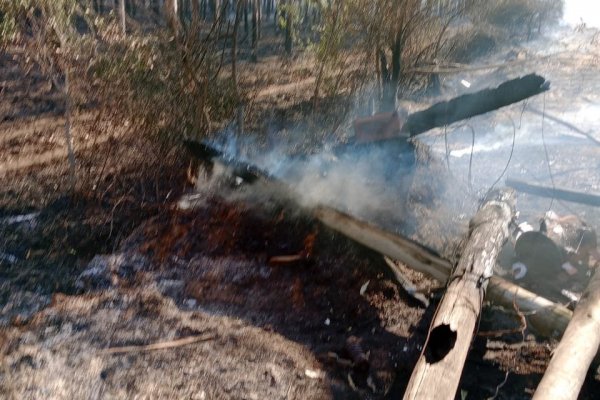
438,370
544,317
555,193
572,358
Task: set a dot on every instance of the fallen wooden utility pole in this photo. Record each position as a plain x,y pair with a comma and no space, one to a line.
555,193
438,370
544,317
472,104
572,358
385,127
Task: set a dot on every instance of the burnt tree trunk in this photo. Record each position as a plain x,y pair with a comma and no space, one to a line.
288,32
246,24
390,74
255,7
122,16
438,370
234,45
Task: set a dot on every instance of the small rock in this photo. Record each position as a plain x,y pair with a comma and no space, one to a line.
190,303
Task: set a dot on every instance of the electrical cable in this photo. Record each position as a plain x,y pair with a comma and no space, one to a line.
547,156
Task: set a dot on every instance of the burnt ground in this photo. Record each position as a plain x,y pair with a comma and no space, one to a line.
108,270
279,330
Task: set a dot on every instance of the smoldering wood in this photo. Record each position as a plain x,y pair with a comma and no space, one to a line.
210,155
544,317
574,354
470,105
438,370
555,193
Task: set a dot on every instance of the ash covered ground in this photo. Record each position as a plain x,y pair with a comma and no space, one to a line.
290,330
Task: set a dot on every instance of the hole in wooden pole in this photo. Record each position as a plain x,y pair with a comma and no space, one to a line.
441,340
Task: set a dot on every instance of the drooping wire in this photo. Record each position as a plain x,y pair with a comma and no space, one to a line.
522,112
446,147
471,157
547,156
512,150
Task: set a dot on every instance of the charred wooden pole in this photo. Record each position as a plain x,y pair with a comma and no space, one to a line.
389,244
438,370
472,104
572,358
555,193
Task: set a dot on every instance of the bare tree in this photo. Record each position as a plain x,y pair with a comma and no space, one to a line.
255,7
172,13
122,15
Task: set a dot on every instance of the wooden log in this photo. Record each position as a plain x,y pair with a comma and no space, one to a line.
544,317
572,358
555,193
470,105
438,370
391,127
392,245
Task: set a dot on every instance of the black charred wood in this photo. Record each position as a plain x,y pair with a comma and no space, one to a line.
209,154
470,105
201,151
555,193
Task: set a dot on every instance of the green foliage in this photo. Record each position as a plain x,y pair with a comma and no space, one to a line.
289,12
406,33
